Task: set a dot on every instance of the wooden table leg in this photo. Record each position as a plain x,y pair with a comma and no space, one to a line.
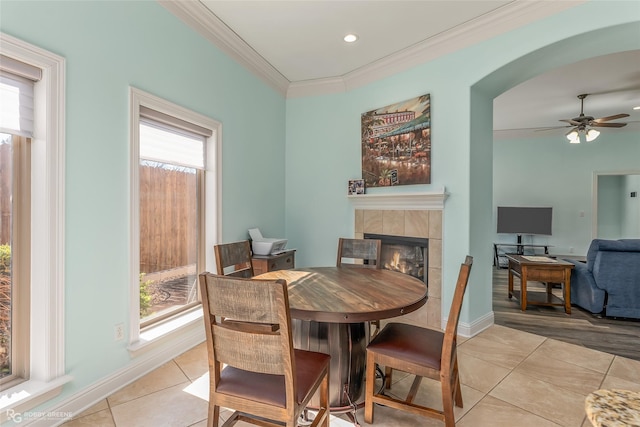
567,290
523,288
510,281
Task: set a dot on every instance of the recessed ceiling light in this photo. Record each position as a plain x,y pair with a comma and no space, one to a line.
350,38
637,108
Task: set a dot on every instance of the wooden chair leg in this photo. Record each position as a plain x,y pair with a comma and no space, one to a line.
324,400
413,391
387,377
447,403
214,415
458,390
370,378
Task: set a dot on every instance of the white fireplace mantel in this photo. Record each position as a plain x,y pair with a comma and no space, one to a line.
428,200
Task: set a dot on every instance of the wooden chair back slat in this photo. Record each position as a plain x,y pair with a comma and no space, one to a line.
250,352
243,301
234,259
364,252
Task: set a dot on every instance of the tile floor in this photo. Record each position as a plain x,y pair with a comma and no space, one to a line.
509,378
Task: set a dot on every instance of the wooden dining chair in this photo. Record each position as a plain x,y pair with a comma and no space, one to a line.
255,371
234,259
361,252
424,353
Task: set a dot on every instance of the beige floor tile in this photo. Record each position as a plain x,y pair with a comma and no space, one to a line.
199,387
498,352
194,362
479,374
577,355
492,352
390,417
563,374
624,368
169,407
430,394
512,337
615,382
100,418
165,376
556,404
100,406
586,423
492,412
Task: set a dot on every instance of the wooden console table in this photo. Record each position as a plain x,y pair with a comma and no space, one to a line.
548,271
266,263
520,247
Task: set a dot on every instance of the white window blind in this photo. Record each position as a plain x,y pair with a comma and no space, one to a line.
162,143
16,96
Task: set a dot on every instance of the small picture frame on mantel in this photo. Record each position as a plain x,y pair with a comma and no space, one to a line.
356,186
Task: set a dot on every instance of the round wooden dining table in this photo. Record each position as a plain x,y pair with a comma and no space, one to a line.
330,310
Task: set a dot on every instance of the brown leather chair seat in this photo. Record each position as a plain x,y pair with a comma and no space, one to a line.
268,388
415,344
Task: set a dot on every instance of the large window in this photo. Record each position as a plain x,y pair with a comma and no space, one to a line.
17,81
15,242
171,176
32,225
175,152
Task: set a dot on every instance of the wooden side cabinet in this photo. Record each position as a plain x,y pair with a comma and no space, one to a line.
266,263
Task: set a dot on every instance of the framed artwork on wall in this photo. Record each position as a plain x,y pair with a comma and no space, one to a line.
396,143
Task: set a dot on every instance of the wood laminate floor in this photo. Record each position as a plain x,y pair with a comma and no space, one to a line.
615,336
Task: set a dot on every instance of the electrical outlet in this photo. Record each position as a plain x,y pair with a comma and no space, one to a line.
119,332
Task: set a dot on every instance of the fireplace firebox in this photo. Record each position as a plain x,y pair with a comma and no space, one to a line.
408,255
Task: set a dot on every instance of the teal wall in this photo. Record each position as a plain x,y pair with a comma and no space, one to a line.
610,206
631,207
313,142
551,172
109,46
323,148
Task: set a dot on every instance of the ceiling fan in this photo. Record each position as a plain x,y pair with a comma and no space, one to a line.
583,125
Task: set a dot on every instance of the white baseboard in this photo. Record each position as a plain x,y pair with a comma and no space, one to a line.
469,330
94,393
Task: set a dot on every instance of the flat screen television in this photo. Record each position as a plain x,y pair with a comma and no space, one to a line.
524,220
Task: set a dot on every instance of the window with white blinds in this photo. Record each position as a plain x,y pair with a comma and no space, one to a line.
16,96
165,144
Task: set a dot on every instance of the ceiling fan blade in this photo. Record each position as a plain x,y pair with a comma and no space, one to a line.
571,121
551,128
606,119
608,125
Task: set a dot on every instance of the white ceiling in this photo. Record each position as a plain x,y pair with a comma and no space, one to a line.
297,47
303,39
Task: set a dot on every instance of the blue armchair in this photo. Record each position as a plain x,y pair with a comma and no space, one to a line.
609,282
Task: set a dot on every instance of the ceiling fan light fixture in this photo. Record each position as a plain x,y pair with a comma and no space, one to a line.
573,137
592,134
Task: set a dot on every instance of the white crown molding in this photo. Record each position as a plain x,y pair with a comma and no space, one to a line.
199,17
506,18
400,201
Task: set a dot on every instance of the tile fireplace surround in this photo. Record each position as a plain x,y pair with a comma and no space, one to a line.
408,215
